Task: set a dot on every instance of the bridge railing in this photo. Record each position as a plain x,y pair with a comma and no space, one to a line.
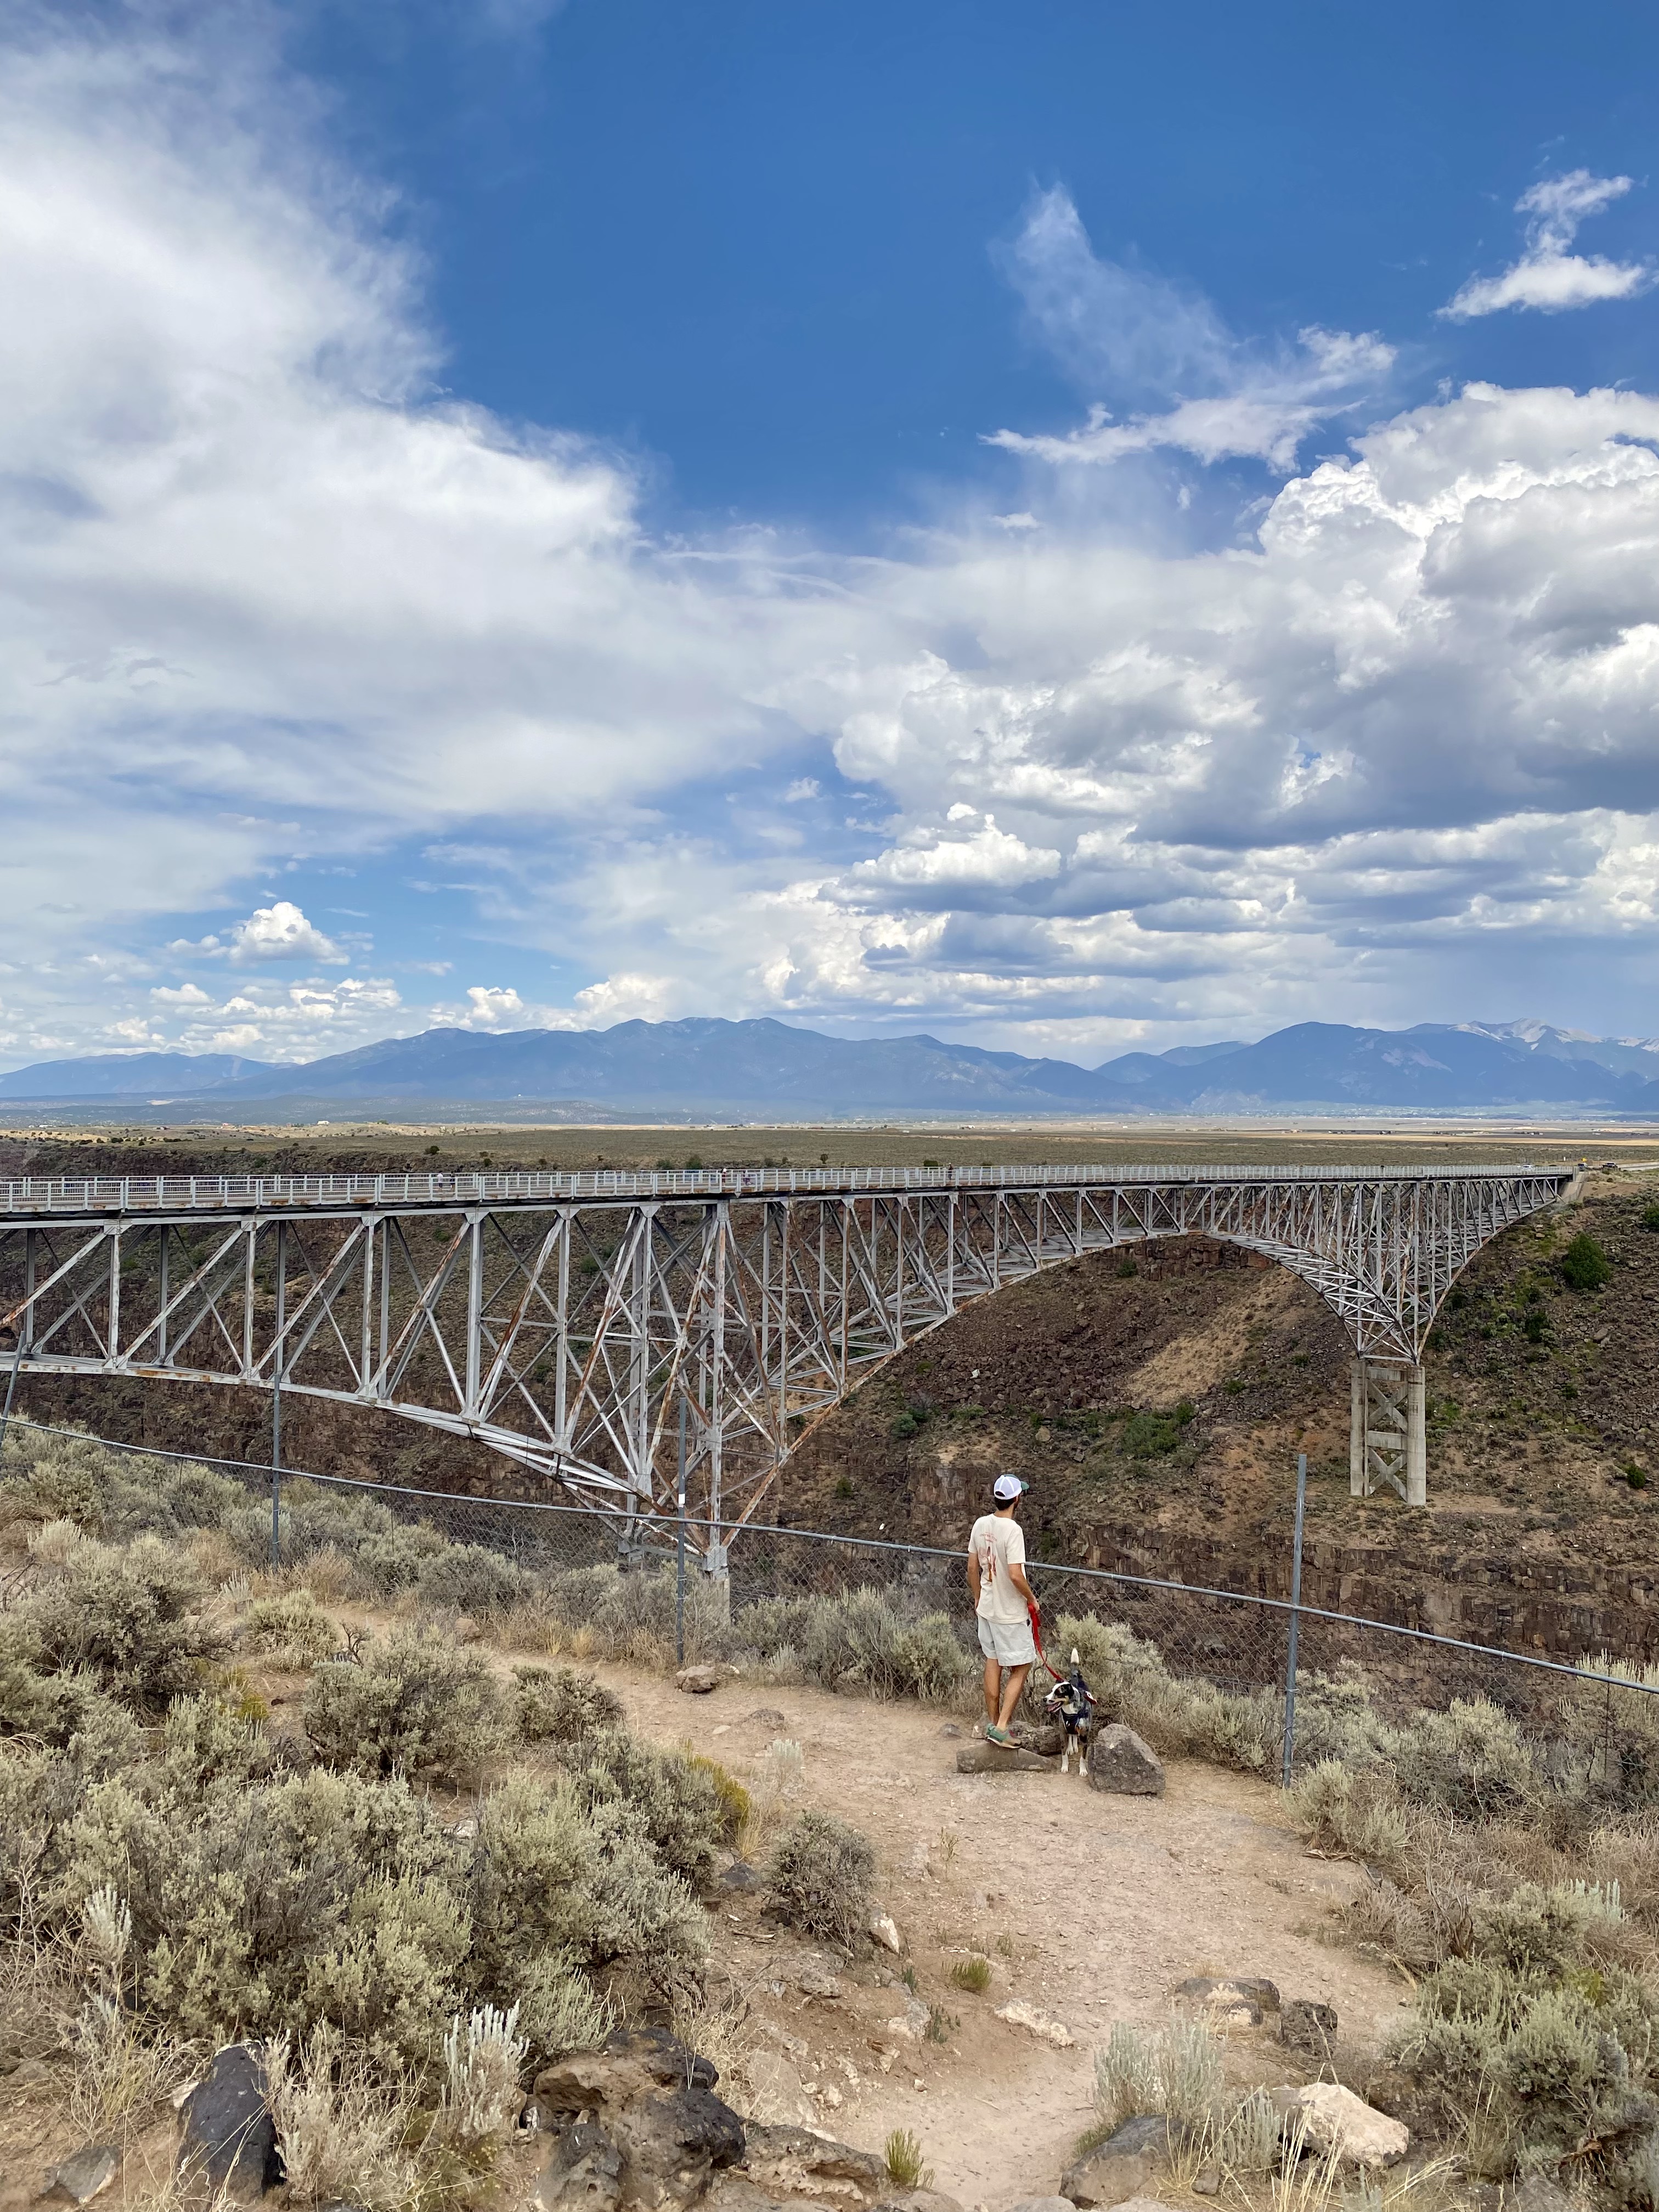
135,1195
1195,1668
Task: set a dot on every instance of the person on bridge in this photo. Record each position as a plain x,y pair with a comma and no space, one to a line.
1005,1602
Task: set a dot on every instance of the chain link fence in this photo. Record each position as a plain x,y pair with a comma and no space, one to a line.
1189,1666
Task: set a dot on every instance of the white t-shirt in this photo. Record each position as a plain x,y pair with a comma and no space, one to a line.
997,1544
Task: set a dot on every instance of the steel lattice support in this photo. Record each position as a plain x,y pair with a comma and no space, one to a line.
564,1320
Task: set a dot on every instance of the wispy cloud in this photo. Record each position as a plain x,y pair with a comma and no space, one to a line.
1160,351
1547,276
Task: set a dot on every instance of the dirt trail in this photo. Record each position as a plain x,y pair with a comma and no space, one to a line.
1103,1902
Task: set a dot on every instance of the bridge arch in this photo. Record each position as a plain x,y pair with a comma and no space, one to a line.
624,1335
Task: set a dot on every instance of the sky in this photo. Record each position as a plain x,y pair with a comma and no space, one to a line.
1075,527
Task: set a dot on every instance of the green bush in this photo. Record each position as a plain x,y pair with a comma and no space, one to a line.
414,1704
122,1621
1147,1436
555,1705
671,1802
293,1628
1650,1216
821,1871
1585,1265
470,1578
1535,2067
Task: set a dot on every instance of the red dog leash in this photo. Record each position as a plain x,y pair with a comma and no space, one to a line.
1036,1637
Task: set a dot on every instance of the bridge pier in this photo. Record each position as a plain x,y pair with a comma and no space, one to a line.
1387,1439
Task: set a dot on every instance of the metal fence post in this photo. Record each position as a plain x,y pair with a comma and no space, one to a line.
1296,1619
679,1563
276,1479
11,1384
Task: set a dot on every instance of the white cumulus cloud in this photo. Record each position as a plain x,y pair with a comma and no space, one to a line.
1548,275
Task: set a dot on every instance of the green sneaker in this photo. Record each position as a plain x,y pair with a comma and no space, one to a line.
995,1735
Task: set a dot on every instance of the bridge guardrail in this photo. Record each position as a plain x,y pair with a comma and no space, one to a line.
1167,1644
121,1195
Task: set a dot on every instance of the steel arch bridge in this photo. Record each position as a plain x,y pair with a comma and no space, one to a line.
608,1330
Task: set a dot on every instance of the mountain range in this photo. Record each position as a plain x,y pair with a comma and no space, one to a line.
682,1069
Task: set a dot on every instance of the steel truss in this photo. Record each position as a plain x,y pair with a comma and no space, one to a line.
565,1320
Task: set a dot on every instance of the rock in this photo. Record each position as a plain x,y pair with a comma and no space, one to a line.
654,2100
883,1931
1116,2170
585,2173
1021,2014
741,1876
1040,2204
1537,2193
919,2200
1045,1738
85,2175
814,1982
1206,2182
769,1716
699,1681
793,2162
912,2023
983,1758
1206,1989
1307,2025
1332,2117
1119,1761
229,2135
949,1728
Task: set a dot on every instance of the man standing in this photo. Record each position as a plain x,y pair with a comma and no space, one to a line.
1004,1601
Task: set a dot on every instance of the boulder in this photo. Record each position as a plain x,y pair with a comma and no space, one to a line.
654,2101
1119,1760
1332,2119
585,2173
1230,2000
1019,2013
83,2176
769,1716
1537,2193
981,1758
1040,2204
699,1681
740,1876
1307,2025
911,2023
1045,1738
884,1931
793,2162
919,2200
1122,2167
229,2135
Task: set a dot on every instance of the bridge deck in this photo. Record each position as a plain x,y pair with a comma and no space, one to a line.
70,1195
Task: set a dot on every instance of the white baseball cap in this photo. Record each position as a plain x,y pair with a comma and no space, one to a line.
1006,1488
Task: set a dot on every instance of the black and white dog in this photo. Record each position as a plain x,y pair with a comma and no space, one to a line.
1073,1702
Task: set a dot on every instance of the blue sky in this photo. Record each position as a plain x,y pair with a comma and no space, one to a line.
1071,527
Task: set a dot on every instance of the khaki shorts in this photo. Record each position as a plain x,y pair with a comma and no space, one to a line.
1008,1641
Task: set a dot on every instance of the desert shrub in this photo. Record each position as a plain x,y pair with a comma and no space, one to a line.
670,1801
733,1800
124,1620
860,1638
821,1871
1352,1809
293,1629
973,1974
1533,2066
389,1561
1470,1760
1176,2073
558,1705
906,2167
470,1579
1584,1265
414,1704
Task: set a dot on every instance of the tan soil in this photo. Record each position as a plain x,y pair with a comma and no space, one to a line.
1104,1902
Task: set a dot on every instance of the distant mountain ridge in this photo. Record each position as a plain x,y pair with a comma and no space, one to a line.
711,1066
